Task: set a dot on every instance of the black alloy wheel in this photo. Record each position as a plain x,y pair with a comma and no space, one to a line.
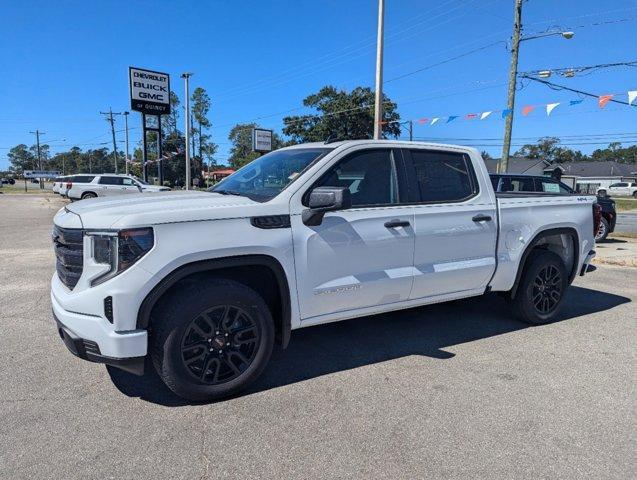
219,344
547,289
540,293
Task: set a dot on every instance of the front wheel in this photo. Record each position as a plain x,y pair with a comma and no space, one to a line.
211,340
541,290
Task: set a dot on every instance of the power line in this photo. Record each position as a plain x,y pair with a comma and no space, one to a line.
581,92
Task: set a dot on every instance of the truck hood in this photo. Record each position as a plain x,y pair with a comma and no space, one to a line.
145,209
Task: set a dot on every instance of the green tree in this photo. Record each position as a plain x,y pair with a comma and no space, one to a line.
169,122
241,151
548,148
341,114
200,108
21,158
616,152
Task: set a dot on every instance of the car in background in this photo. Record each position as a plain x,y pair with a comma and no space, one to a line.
58,183
7,181
534,183
107,185
621,189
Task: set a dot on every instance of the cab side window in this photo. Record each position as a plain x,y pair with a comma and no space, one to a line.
128,182
443,176
369,175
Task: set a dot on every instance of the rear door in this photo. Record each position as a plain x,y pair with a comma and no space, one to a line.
109,185
455,223
363,256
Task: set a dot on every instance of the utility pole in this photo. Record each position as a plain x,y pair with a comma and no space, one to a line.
126,127
112,122
37,134
411,130
513,73
378,100
186,77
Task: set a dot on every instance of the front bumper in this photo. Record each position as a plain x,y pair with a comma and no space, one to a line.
93,338
88,350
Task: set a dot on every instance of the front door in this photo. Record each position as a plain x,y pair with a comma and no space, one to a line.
360,257
455,223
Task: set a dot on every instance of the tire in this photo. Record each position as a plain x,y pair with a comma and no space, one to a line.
541,290
88,195
635,194
211,340
602,231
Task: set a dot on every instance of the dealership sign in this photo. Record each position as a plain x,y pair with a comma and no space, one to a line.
261,140
149,91
41,173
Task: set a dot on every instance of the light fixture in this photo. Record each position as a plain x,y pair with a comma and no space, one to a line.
568,35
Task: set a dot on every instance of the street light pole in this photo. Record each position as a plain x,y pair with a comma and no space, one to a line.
513,73
126,127
378,99
186,77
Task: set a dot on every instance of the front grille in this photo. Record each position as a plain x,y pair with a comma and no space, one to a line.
68,243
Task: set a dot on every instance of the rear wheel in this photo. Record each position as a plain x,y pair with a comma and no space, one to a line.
602,231
542,287
88,195
210,341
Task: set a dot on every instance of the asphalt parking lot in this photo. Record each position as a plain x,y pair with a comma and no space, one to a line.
456,390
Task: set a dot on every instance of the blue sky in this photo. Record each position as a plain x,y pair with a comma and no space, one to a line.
65,61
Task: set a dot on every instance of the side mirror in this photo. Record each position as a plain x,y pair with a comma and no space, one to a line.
325,199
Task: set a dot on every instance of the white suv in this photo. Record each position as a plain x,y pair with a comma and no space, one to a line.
109,184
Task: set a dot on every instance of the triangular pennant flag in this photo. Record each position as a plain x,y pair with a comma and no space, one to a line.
550,107
422,121
506,113
485,115
526,110
434,120
575,102
604,99
632,95
471,116
451,118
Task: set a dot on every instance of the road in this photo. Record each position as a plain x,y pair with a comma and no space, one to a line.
452,391
626,223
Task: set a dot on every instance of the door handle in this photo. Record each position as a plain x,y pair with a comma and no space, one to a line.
396,223
481,218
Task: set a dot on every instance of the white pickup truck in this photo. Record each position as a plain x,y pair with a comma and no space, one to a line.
205,283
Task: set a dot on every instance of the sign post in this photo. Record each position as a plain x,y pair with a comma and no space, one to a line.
261,140
150,95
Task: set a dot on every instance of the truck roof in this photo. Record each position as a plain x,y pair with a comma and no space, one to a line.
406,143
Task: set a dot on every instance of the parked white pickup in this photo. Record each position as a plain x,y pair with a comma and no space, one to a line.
204,282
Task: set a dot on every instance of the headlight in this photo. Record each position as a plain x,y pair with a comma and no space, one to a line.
119,250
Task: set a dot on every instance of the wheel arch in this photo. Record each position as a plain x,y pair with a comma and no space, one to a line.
224,268
539,240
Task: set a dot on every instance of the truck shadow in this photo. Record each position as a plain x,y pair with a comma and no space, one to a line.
326,349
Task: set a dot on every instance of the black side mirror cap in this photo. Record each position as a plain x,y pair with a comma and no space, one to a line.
325,199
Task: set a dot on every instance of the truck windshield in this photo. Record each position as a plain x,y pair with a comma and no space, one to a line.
265,177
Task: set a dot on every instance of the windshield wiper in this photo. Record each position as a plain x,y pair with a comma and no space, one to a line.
229,192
